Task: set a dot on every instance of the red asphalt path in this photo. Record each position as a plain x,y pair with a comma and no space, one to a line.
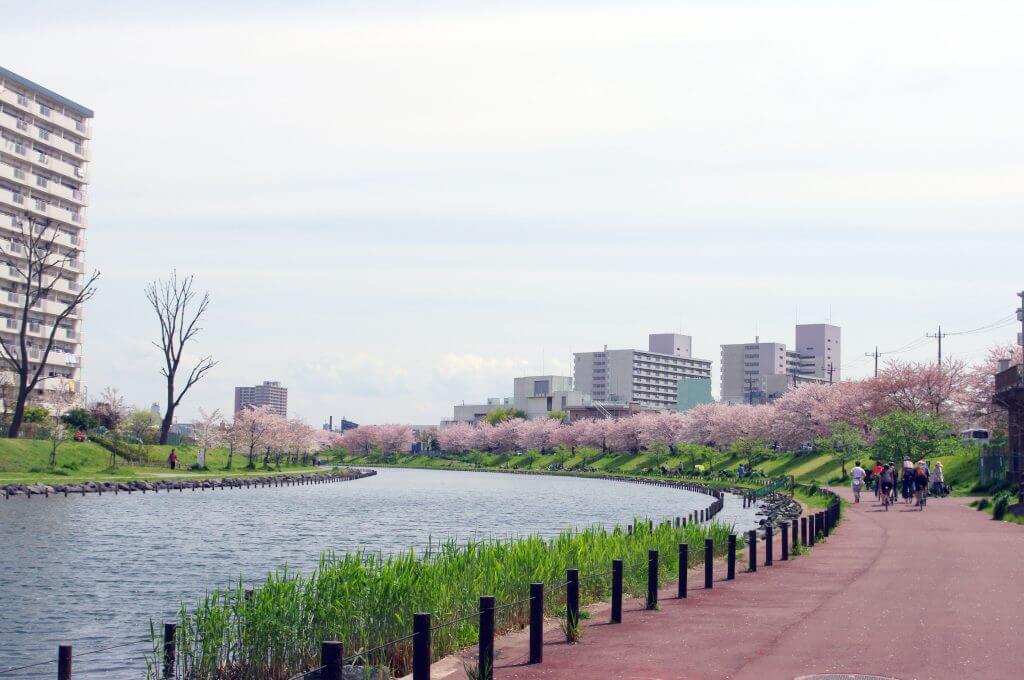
899,594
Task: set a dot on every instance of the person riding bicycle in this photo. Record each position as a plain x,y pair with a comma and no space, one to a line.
857,475
875,472
886,480
920,483
907,486
938,480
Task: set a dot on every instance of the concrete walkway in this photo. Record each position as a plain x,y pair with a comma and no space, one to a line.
899,594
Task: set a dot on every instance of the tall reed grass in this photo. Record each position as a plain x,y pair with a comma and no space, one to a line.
367,599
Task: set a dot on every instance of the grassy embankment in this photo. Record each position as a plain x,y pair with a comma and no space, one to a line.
25,461
961,470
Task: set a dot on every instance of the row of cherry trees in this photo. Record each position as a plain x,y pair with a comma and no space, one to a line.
261,433
955,391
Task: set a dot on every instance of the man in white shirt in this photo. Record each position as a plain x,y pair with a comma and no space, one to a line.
857,475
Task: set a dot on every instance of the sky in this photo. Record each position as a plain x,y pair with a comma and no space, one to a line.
401,206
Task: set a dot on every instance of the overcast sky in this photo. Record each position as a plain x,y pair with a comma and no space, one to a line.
400,206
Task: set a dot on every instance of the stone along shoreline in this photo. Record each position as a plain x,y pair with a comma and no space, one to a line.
142,486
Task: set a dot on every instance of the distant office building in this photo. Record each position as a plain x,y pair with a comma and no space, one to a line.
819,346
539,395
692,392
474,413
646,378
44,176
270,393
758,372
344,426
154,409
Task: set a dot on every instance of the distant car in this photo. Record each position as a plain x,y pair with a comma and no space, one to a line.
976,436
805,448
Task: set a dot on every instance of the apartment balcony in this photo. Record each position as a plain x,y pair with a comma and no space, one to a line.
34,108
32,181
39,208
33,133
25,151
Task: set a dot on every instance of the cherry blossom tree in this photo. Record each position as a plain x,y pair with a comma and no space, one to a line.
360,439
979,387
256,426
393,438
456,437
207,431
538,434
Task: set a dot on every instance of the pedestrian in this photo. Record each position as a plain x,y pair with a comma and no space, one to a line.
886,481
938,480
875,472
172,459
857,475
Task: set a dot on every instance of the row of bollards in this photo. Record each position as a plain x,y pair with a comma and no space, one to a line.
809,529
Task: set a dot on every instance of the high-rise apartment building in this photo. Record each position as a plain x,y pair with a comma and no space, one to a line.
648,378
270,393
755,372
44,158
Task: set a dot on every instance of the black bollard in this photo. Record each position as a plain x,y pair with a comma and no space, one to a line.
731,570
331,655
616,591
421,646
169,649
752,549
64,662
785,541
536,622
803,531
652,579
684,565
709,563
795,532
485,658
572,596
768,545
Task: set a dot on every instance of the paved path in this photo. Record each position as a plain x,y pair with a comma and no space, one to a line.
903,594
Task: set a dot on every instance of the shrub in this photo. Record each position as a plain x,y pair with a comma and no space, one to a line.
136,454
1000,506
983,504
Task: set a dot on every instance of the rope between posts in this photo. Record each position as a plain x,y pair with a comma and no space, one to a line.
365,652
303,674
75,656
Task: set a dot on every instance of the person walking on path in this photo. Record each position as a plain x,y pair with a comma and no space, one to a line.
172,459
857,480
938,480
886,482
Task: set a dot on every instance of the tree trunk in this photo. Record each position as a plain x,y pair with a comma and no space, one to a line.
165,425
19,415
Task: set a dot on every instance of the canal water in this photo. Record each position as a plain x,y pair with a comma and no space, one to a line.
93,571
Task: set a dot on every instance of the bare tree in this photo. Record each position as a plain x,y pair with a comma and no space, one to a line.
64,399
180,309
38,261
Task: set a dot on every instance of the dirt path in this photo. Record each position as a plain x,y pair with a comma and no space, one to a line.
901,594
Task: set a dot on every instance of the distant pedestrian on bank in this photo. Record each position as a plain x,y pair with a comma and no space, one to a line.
172,459
857,475
938,480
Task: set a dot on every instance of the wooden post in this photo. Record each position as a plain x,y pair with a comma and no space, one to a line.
169,649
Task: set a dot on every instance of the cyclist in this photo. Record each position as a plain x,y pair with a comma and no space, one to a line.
875,472
907,486
921,483
857,475
886,482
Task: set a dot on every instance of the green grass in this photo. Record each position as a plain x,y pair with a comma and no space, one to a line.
367,599
25,461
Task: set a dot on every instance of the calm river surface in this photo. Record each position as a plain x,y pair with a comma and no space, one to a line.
92,571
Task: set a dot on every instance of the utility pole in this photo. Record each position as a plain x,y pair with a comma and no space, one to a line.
830,369
1020,317
875,355
937,336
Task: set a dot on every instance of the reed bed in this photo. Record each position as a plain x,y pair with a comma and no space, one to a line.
367,599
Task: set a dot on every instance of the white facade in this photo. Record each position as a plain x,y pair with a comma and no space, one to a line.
648,378
539,395
474,413
757,371
44,158
820,348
